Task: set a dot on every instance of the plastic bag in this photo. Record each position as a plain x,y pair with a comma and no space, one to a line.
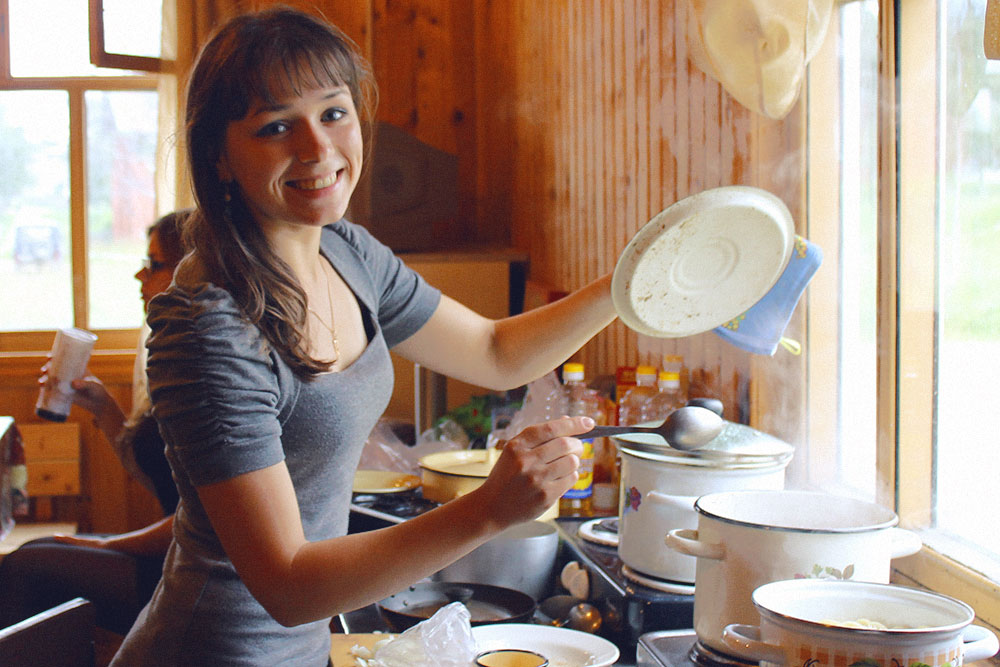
385,451
757,49
544,400
443,640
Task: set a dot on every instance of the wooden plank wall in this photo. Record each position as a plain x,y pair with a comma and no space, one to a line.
592,120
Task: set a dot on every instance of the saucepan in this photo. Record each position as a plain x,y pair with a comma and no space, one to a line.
486,604
825,623
522,557
447,475
749,538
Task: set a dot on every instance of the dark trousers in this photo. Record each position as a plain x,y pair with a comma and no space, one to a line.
44,573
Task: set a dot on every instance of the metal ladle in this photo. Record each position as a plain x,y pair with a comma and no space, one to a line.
687,428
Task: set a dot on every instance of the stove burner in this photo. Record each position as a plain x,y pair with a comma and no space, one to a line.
706,656
658,584
600,531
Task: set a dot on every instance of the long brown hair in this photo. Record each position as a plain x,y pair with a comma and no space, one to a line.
260,56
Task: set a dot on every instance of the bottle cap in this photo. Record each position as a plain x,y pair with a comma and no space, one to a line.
572,371
669,376
645,370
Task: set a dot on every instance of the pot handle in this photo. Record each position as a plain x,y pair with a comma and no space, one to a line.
744,641
680,502
686,541
979,643
904,542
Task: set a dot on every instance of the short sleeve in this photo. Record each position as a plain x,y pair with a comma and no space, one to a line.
403,300
214,386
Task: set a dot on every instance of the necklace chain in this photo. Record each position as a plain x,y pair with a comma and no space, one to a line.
332,327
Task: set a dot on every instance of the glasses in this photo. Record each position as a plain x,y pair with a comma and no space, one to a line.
152,265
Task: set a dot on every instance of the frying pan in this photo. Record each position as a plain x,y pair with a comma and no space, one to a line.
486,604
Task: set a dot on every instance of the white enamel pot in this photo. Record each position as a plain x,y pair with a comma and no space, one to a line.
746,539
659,487
800,625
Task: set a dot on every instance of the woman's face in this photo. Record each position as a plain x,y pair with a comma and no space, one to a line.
296,162
156,272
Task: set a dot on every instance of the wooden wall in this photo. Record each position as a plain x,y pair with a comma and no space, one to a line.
591,119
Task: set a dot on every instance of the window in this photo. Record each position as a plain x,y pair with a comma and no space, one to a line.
77,155
904,198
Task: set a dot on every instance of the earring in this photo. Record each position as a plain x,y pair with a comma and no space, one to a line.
227,197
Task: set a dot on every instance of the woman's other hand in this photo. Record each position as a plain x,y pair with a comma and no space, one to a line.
91,395
535,468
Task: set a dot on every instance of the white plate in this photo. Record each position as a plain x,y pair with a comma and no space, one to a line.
702,261
562,646
383,481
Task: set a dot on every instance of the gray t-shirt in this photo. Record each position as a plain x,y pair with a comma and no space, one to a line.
227,405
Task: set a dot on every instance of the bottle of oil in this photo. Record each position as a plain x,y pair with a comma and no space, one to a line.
631,409
607,469
578,501
667,399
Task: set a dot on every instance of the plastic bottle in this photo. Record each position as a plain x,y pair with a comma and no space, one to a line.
667,399
607,469
578,501
631,409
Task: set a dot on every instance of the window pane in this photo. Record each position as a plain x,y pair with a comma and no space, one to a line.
968,348
858,255
132,27
34,211
121,147
51,38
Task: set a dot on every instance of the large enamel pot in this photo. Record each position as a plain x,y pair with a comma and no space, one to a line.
802,623
746,539
659,486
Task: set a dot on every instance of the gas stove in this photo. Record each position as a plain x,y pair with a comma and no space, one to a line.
680,648
630,609
650,620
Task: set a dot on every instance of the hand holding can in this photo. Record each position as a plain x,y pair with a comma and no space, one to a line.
70,354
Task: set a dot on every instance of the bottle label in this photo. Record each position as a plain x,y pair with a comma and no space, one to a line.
584,486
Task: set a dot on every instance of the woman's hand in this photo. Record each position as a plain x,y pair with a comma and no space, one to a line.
534,470
151,540
91,395
89,392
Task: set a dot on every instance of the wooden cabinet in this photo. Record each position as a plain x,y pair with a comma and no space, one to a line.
488,282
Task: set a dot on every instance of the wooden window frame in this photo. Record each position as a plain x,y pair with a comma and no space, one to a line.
906,295
34,342
100,56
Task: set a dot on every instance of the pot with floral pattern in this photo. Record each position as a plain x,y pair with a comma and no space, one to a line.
659,485
746,539
817,623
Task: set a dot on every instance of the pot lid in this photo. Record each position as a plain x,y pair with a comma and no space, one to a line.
737,446
702,261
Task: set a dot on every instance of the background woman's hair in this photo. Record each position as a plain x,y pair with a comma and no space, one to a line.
261,56
169,231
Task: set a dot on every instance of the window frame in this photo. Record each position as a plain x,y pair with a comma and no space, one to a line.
76,88
906,306
101,57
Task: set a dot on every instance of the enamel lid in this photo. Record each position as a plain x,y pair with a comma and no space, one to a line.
702,261
737,446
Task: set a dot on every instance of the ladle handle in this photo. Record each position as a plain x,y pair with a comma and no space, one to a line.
609,431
